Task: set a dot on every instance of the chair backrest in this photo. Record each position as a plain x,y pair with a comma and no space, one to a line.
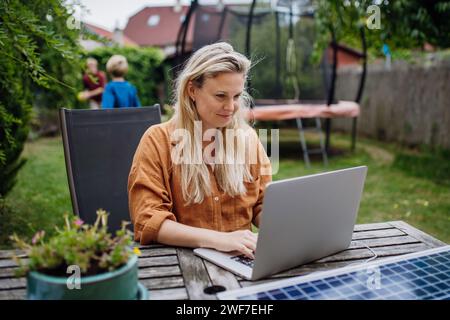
99,146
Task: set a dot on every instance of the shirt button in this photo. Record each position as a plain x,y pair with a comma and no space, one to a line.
216,198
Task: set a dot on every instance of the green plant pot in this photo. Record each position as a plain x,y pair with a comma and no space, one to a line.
120,284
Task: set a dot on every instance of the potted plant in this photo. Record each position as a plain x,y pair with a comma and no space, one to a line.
81,262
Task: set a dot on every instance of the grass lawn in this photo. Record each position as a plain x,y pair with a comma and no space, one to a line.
41,196
402,184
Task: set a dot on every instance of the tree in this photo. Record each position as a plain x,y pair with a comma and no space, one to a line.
405,24
38,48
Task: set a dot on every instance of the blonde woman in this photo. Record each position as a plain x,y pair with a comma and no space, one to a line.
198,180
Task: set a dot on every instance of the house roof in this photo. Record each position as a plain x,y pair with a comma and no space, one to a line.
345,55
107,34
164,32
353,52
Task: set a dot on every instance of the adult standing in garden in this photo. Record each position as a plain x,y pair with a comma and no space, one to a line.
119,93
94,82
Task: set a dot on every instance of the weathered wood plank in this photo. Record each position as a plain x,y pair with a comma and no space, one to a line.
157,272
314,267
6,263
16,294
158,294
247,283
416,233
7,272
157,252
8,254
221,277
372,226
377,234
195,276
157,261
380,251
381,242
168,294
149,246
12,283
162,283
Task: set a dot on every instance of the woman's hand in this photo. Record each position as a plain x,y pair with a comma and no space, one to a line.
176,234
243,241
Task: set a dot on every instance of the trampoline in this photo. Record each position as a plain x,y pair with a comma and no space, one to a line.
212,23
304,110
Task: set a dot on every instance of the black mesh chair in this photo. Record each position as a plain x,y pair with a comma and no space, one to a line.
99,146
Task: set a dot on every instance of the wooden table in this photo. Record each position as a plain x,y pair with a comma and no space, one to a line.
176,273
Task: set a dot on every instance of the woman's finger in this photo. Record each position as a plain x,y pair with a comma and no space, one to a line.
247,252
250,244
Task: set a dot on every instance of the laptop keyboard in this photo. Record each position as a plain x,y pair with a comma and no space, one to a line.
244,260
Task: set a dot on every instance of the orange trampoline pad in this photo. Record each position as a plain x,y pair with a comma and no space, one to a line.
343,109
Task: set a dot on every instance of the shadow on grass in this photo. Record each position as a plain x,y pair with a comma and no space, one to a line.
433,166
292,150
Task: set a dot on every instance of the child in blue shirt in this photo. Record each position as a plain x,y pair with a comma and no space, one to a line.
119,93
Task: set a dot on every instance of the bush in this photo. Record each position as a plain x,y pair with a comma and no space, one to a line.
39,54
145,69
6,214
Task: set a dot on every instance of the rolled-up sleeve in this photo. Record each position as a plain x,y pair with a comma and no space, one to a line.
264,175
149,195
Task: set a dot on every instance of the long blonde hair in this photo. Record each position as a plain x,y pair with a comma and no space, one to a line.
208,62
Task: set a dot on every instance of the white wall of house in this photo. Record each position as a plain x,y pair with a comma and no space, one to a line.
90,44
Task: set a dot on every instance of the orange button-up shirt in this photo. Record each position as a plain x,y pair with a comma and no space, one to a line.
154,191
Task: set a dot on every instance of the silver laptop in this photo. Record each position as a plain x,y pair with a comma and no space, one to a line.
303,219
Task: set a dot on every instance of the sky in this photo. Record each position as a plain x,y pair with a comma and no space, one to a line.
112,13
